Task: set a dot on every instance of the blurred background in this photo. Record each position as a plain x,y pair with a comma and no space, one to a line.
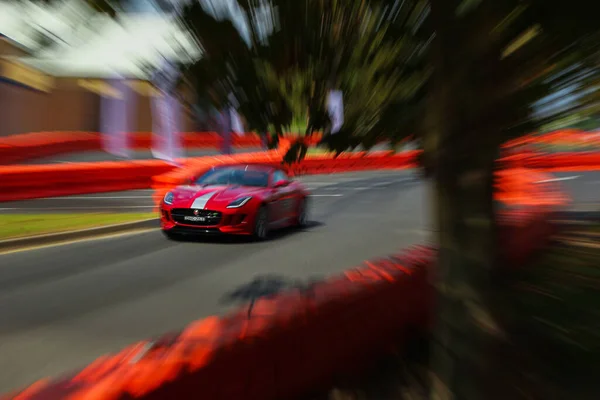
65,56
489,90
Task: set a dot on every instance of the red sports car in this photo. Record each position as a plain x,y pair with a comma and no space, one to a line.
239,199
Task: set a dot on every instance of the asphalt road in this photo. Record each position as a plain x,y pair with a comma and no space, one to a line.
582,187
63,306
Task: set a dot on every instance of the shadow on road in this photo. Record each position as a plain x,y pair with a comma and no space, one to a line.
267,286
243,239
281,233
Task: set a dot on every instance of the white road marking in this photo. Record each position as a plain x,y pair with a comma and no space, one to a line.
334,181
419,232
566,178
320,183
313,187
379,185
384,183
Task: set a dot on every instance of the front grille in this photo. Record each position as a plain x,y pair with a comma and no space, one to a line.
205,217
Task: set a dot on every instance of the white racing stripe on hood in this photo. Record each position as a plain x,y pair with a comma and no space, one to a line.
201,201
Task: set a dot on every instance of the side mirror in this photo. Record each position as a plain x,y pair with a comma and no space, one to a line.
281,183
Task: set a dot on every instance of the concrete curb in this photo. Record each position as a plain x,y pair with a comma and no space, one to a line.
54,238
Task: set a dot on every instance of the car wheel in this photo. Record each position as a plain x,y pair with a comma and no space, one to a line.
171,235
302,220
261,224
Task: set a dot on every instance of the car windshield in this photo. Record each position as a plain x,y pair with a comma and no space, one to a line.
234,176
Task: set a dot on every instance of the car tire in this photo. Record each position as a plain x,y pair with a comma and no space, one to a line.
261,224
303,208
172,235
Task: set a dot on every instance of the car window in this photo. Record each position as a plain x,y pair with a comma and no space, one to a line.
234,176
253,178
279,176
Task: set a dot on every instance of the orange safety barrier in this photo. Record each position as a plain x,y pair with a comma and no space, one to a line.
526,187
527,228
28,146
560,137
555,162
354,162
20,148
564,161
21,182
38,181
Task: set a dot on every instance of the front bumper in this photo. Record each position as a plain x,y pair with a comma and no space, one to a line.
232,222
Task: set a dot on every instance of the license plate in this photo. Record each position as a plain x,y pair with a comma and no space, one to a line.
195,219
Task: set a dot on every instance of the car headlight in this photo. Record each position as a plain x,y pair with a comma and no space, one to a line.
169,197
237,203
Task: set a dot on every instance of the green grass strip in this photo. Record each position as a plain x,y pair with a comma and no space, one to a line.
22,225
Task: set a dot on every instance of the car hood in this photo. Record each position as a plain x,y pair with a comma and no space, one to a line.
197,196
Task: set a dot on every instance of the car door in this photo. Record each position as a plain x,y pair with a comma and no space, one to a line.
285,196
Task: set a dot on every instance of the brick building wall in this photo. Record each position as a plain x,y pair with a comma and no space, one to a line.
32,101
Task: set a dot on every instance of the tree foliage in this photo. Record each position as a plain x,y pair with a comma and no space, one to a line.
315,46
378,53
